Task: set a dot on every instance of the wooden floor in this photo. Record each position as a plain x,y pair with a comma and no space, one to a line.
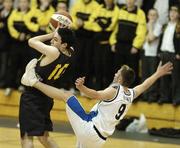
9,138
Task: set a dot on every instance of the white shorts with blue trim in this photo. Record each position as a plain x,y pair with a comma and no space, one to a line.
82,125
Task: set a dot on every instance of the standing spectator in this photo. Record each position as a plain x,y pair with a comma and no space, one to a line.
103,24
150,60
169,51
81,12
19,52
5,40
128,36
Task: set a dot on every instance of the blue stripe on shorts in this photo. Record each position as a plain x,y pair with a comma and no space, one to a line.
74,104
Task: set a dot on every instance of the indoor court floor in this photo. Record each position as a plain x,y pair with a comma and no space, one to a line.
63,135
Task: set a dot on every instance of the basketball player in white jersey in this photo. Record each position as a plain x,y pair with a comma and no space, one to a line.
92,129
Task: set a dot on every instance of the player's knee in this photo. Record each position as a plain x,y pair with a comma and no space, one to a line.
67,96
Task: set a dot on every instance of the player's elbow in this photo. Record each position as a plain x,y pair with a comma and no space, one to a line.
97,96
30,42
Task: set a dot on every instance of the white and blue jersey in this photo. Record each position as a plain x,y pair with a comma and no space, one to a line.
92,129
112,111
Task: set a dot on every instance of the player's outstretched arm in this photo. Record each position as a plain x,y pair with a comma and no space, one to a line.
106,94
161,71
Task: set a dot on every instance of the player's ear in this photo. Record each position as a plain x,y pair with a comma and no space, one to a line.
120,80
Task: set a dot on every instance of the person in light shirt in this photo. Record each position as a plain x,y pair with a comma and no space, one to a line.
150,59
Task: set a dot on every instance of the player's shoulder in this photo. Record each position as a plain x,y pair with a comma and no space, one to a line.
115,85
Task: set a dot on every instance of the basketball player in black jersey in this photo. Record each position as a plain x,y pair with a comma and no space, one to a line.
35,107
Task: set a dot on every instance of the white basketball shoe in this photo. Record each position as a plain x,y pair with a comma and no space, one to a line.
29,78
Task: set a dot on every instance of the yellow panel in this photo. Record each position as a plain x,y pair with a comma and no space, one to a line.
177,125
58,104
13,99
59,116
160,123
177,113
11,111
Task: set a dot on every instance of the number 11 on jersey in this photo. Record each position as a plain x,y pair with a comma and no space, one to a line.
58,70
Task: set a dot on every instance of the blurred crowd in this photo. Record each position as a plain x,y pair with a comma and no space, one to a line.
110,33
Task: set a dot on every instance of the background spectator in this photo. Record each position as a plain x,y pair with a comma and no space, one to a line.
128,36
169,51
81,12
150,59
5,40
102,23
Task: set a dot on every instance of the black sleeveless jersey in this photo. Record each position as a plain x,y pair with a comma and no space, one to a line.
54,71
51,73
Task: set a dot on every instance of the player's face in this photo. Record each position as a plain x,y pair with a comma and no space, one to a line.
117,76
152,15
130,3
57,42
8,4
61,6
23,5
173,14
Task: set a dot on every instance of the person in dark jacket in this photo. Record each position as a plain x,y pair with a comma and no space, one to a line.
169,51
5,40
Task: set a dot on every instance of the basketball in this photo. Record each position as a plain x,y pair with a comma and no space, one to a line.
61,17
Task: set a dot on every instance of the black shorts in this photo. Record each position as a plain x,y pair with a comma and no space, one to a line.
34,114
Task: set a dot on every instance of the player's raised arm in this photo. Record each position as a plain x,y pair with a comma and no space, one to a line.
105,94
38,44
161,71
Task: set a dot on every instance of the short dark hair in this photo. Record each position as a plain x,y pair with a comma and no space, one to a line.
128,75
68,36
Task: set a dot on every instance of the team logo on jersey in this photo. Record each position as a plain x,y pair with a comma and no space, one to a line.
127,98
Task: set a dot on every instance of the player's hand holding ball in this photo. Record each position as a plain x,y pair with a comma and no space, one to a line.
60,19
